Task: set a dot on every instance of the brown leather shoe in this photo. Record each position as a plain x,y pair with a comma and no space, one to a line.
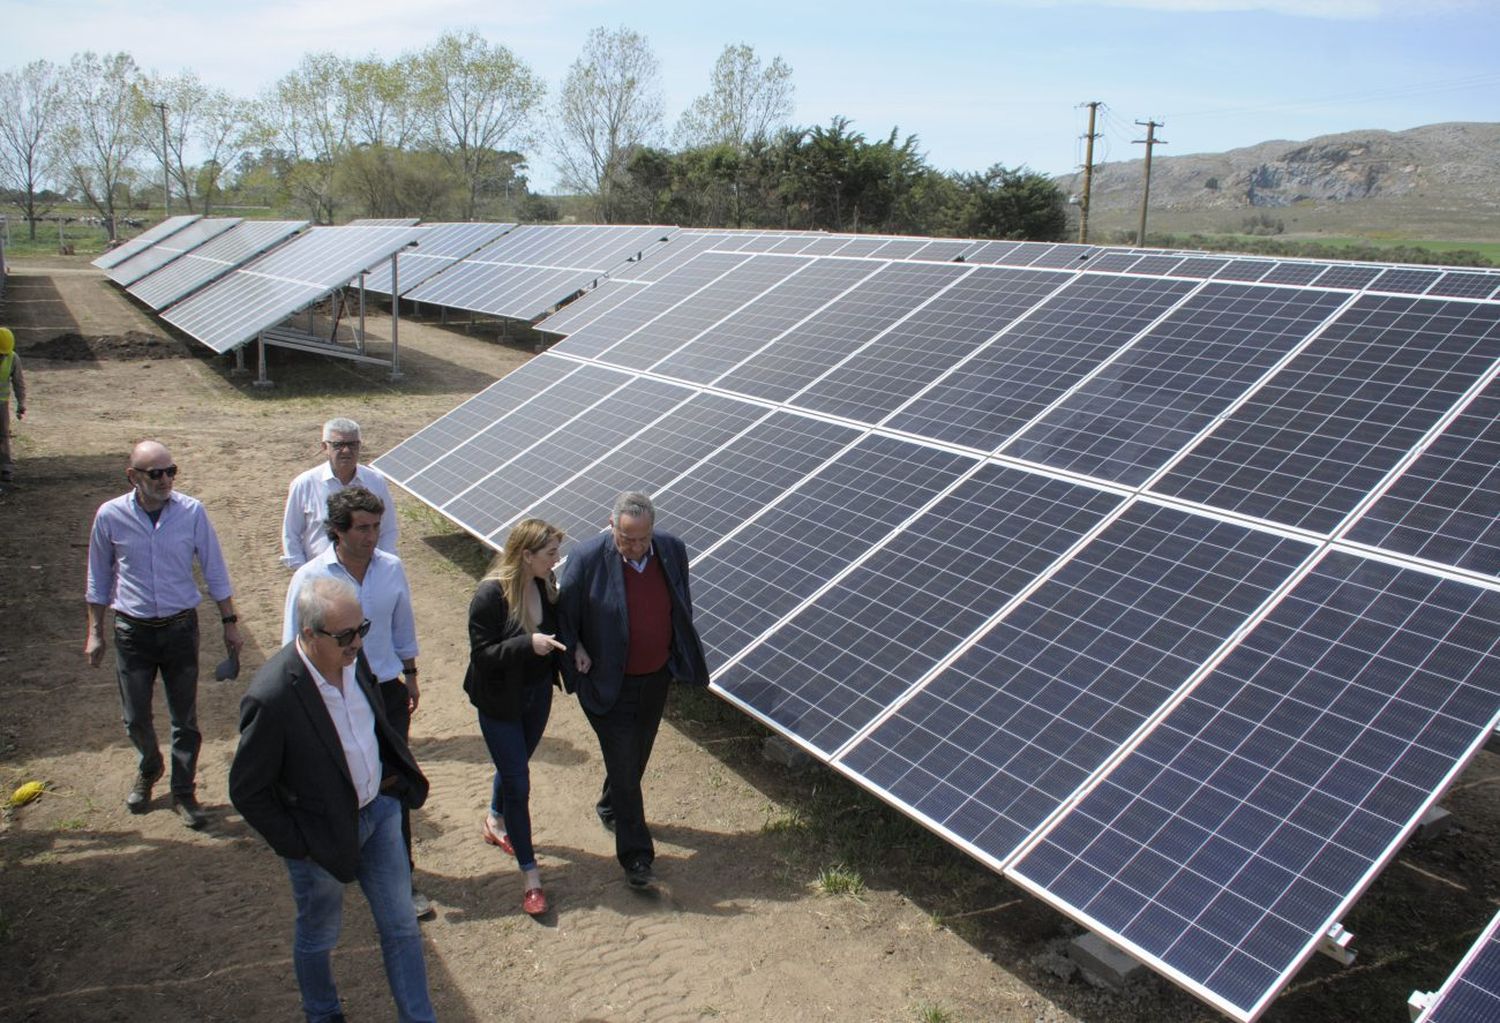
139,800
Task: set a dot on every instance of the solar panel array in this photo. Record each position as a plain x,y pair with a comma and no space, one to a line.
144,240
1472,993
211,260
526,272
151,259
265,291
1164,583
439,247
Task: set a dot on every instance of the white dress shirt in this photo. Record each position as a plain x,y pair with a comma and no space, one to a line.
354,720
304,526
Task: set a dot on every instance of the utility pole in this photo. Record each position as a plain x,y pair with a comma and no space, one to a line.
1088,174
1150,140
166,177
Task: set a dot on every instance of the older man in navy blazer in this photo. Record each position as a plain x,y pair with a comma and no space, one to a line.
625,613
322,774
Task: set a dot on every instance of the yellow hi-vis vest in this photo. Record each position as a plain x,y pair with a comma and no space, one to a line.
6,362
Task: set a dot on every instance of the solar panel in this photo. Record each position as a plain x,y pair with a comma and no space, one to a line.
1241,827
212,260
589,306
831,518
841,660
911,355
1009,381
528,271
651,459
1308,447
144,240
1152,399
1014,726
838,330
1443,507
1472,993
1099,575
169,248
439,247
385,222
1347,275
265,291
705,280
1405,280
1457,284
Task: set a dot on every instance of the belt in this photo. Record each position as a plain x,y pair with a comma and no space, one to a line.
158,623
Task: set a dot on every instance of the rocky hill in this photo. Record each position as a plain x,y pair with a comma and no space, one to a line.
1442,172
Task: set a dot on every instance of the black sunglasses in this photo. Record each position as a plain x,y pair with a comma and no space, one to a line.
170,472
346,637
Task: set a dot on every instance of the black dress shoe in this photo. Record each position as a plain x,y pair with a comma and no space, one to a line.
640,875
191,813
139,800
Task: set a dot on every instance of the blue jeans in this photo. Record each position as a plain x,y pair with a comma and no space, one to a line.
385,878
511,744
140,652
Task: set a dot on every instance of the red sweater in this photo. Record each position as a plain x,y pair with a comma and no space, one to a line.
649,607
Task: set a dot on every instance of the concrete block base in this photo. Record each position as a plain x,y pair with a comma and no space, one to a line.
1102,963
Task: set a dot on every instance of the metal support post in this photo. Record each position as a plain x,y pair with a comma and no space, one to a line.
395,318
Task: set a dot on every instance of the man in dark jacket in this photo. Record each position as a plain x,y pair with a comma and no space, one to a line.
625,614
321,773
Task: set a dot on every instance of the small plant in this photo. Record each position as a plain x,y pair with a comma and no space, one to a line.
783,820
840,879
929,1012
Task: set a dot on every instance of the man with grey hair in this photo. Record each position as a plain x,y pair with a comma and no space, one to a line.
625,614
323,775
304,533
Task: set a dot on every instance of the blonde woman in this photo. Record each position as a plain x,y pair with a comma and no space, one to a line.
512,668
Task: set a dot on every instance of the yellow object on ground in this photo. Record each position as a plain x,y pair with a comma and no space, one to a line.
26,793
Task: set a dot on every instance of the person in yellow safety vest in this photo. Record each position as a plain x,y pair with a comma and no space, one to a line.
10,379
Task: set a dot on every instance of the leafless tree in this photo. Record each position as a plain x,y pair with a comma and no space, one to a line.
31,101
102,130
481,100
610,105
746,103
200,121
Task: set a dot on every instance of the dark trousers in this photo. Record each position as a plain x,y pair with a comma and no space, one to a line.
141,651
626,734
397,702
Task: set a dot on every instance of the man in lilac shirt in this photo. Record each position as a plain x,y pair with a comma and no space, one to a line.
141,553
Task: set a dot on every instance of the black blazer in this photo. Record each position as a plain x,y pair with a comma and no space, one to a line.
591,610
290,779
502,664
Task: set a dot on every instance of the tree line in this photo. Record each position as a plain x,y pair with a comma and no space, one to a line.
447,133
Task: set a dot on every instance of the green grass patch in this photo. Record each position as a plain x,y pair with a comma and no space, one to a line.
840,879
931,1012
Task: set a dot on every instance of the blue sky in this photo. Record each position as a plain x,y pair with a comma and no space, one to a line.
978,81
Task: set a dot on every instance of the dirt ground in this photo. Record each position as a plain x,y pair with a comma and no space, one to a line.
109,916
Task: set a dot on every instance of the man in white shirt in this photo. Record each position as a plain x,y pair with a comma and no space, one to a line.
303,532
322,775
354,525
